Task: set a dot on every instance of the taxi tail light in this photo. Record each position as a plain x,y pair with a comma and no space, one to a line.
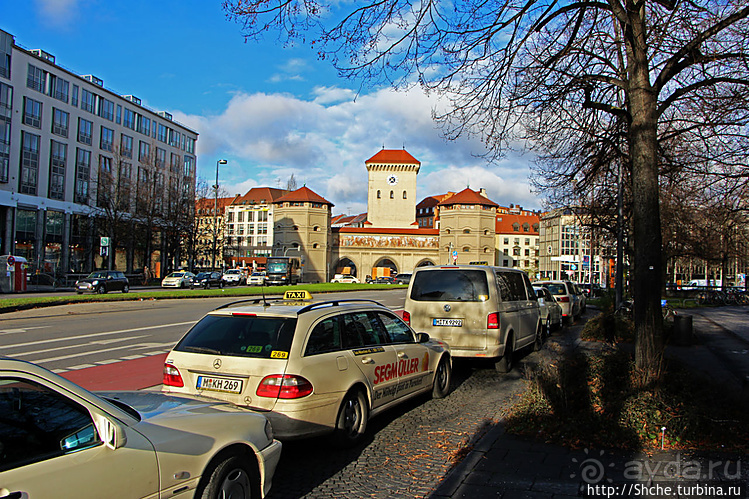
564,299
492,321
284,386
406,317
172,377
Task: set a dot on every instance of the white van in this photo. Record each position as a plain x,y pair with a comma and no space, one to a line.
479,311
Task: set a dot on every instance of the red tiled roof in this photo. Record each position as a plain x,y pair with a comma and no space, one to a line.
258,195
389,230
305,194
207,203
393,156
504,223
468,196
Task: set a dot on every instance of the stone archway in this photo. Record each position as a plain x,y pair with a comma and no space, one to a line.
345,266
425,263
387,262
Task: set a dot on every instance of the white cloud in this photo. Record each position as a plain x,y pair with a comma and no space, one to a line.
324,142
57,12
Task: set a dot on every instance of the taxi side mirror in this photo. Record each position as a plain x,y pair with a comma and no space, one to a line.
422,337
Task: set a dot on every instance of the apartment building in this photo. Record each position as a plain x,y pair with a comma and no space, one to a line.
79,162
517,238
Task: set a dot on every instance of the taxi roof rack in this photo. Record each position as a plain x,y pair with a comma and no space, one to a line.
254,301
334,303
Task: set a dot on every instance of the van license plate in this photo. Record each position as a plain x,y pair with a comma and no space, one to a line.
219,384
448,322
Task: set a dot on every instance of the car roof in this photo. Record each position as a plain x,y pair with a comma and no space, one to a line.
282,308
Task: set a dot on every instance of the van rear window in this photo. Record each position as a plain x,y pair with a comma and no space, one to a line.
450,285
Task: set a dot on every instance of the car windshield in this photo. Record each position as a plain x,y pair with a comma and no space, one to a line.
231,272
257,274
240,336
176,274
202,274
450,285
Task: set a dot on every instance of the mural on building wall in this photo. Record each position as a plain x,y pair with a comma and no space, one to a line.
389,241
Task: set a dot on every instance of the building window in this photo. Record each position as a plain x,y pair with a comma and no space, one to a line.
392,195
162,133
29,163
4,150
87,100
57,159
59,88
379,195
189,166
60,122
106,109
527,241
174,138
32,112
145,126
190,145
516,227
107,139
82,174
126,146
118,119
466,231
262,228
174,163
404,195
74,96
36,78
262,216
85,131
144,151
160,158
128,119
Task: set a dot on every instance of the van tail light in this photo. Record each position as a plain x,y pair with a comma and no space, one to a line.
564,299
492,321
284,386
406,317
172,377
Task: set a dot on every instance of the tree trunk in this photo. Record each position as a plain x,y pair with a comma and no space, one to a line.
646,207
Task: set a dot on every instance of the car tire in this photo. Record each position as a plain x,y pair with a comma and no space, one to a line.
505,363
235,476
351,424
538,341
125,288
207,285
181,285
101,289
221,285
442,379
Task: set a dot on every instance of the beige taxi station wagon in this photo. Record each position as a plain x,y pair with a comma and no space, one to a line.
310,368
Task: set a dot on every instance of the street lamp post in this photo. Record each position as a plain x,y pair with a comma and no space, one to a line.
215,214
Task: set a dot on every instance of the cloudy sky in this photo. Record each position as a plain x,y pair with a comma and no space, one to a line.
270,111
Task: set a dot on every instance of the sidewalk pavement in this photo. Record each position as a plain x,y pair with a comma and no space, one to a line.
508,466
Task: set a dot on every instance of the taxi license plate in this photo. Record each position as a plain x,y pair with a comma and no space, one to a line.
219,384
448,322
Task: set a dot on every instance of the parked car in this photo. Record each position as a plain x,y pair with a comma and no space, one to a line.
103,281
402,278
312,369
257,279
564,293
208,279
382,280
551,311
180,279
591,290
345,278
234,277
480,311
125,444
581,296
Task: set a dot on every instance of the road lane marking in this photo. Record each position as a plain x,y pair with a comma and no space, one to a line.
20,330
96,335
89,353
78,345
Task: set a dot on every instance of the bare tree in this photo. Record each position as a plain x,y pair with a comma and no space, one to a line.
549,73
114,198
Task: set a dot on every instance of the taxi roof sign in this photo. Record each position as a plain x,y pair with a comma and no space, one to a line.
301,294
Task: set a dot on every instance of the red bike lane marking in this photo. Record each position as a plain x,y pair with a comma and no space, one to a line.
135,374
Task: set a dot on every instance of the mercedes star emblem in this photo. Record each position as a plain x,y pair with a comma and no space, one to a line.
217,364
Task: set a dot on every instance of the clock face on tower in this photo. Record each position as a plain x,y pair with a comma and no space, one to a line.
392,179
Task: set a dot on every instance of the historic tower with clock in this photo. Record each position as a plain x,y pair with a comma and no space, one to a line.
391,198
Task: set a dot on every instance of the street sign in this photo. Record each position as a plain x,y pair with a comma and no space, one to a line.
104,241
455,256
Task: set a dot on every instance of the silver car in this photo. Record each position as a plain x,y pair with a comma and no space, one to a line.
180,279
551,311
58,439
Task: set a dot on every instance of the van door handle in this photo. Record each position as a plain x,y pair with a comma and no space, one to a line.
367,360
402,355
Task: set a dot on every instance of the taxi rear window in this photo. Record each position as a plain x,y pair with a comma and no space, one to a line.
240,336
556,289
450,285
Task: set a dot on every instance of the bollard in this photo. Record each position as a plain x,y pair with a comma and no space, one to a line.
683,329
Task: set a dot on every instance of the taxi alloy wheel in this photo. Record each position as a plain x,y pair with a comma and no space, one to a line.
234,477
442,379
352,419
